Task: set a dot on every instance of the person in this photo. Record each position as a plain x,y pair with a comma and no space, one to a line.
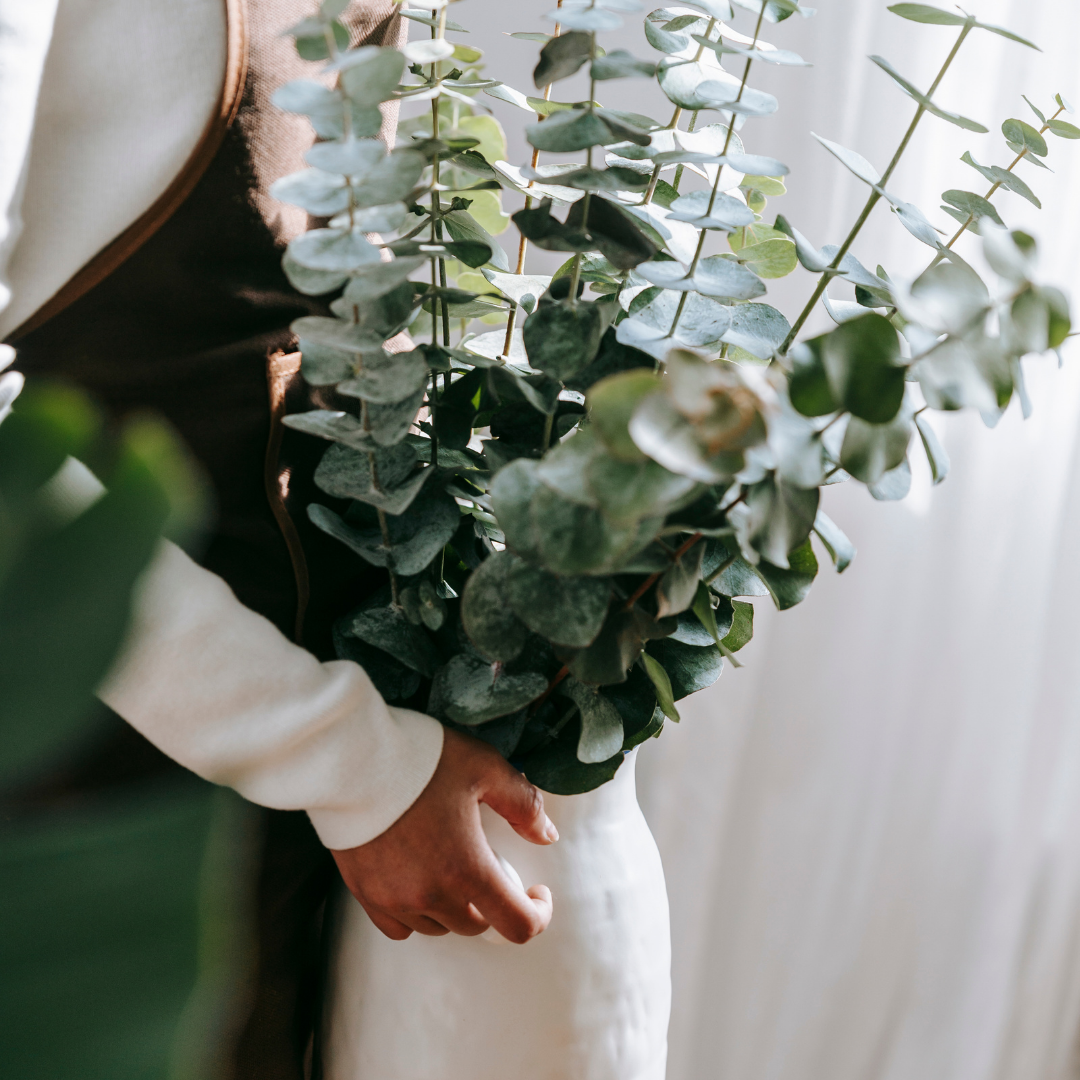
140,259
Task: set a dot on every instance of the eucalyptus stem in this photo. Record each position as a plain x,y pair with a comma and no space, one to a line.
523,243
719,172
875,195
575,274
677,179
673,124
993,190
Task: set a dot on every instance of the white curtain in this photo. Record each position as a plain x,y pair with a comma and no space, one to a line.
871,833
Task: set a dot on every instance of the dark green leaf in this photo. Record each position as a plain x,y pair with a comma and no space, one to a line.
465,229
393,679
348,474
676,590
566,611
619,64
561,57
611,655
562,337
742,626
416,536
473,691
862,361
601,725
664,695
485,609
690,668
869,451
388,629
558,771
790,587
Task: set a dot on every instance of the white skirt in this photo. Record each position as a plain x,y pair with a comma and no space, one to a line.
586,1000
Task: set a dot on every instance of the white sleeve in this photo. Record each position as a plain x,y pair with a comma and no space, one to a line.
26,28
219,689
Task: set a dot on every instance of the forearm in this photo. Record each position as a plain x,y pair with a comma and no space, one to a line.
219,689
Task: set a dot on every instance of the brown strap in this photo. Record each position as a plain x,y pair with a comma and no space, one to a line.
139,231
280,368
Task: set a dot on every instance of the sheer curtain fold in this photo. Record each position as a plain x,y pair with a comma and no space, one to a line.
871,833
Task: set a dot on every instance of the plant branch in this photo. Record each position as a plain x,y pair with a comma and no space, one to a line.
719,172
875,196
652,579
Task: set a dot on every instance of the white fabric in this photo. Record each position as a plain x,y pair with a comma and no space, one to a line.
128,90
25,33
219,689
586,1000
871,833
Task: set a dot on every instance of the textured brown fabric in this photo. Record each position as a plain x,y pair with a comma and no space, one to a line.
186,327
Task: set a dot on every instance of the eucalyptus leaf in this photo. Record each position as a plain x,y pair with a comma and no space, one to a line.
869,451
791,586
485,612
389,630
676,589
841,549
475,692
388,378
351,474
601,725
936,454
689,668
562,337
855,163
894,485
924,101
664,696
562,57
566,610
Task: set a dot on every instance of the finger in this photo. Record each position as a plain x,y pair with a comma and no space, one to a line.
541,898
511,796
466,921
512,912
422,924
388,925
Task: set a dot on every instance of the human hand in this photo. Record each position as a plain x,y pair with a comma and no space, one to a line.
433,870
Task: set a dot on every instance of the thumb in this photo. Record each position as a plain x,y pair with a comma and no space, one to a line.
511,796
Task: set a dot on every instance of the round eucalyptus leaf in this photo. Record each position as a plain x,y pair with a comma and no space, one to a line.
485,613
556,769
566,611
388,378
388,629
562,337
689,668
347,157
338,250
337,427
627,492
601,725
576,539
611,403
757,328
894,485
864,367
370,75
774,258
584,17
565,132
311,282
869,451
512,490
474,692
319,193
562,57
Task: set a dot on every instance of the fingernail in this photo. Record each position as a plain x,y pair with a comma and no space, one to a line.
550,831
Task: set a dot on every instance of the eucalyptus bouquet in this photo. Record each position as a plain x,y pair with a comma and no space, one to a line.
573,480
